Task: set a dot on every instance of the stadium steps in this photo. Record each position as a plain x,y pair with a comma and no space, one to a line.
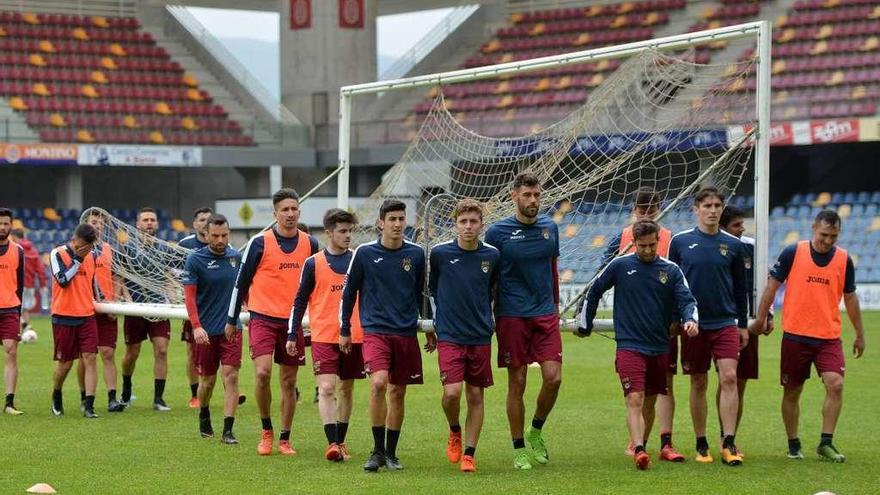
209,82
13,127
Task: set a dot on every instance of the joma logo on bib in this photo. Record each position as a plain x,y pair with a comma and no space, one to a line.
288,266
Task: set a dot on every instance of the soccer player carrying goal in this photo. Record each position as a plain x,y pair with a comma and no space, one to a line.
209,276
269,278
385,279
646,207
337,361
713,263
527,312
650,294
12,266
75,333
817,274
462,281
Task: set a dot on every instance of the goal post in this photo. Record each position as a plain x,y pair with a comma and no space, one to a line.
666,63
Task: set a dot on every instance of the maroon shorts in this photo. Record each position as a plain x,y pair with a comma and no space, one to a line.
640,372
209,357
471,364
186,333
400,355
697,353
10,326
796,358
108,331
73,340
270,337
747,367
522,341
139,329
327,359
672,356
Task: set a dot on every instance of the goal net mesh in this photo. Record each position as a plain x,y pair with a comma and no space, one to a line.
658,121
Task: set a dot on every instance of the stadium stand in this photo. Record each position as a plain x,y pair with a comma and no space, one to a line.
102,79
826,60
788,223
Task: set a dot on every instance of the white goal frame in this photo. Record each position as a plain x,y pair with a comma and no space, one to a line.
759,30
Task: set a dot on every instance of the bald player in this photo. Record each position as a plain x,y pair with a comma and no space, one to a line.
195,241
74,331
12,266
817,275
268,279
138,329
336,362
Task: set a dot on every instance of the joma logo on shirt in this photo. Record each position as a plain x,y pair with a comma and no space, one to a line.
4,266
818,280
288,266
336,287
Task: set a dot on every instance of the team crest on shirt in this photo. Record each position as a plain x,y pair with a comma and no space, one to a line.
232,262
663,276
722,248
484,265
748,263
545,233
407,264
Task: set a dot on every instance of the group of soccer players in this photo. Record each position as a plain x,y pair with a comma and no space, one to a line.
694,287
364,306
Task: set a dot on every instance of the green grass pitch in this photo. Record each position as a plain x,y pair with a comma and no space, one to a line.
143,451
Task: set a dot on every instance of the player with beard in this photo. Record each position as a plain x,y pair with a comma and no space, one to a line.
195,241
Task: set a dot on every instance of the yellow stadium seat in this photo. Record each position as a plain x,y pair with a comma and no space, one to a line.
564,82
507,57
503,87
116,49
156,137
571,230
780,96
80,34
17,103
542,85
875,224
620,21
57,120
17,224
781,21
598,241
31,19
822,199
596,80
778,66
108,63
581,40
84,136
491,47
567,275
101,22
37,60
189,124
790,238
651,19
593,11
89,91
2,32
121,236
516,17
98,77
190,80
565,206
558,216
40,89
824,32
875,14
178,226
858,93
819,48
787,35
870,44
194,95
830,4
505,102
836,78
130,122
625,7
537,29
162,108
844,210
46,46
51,215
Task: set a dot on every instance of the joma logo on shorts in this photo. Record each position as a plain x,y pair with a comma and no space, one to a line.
818,280
288,266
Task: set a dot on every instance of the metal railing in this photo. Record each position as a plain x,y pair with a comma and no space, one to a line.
244,77
79,7
429,41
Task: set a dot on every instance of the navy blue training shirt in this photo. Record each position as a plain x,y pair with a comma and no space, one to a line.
461,284
714,266
648,297
338,263
390,284
192,242
214,277
527,280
